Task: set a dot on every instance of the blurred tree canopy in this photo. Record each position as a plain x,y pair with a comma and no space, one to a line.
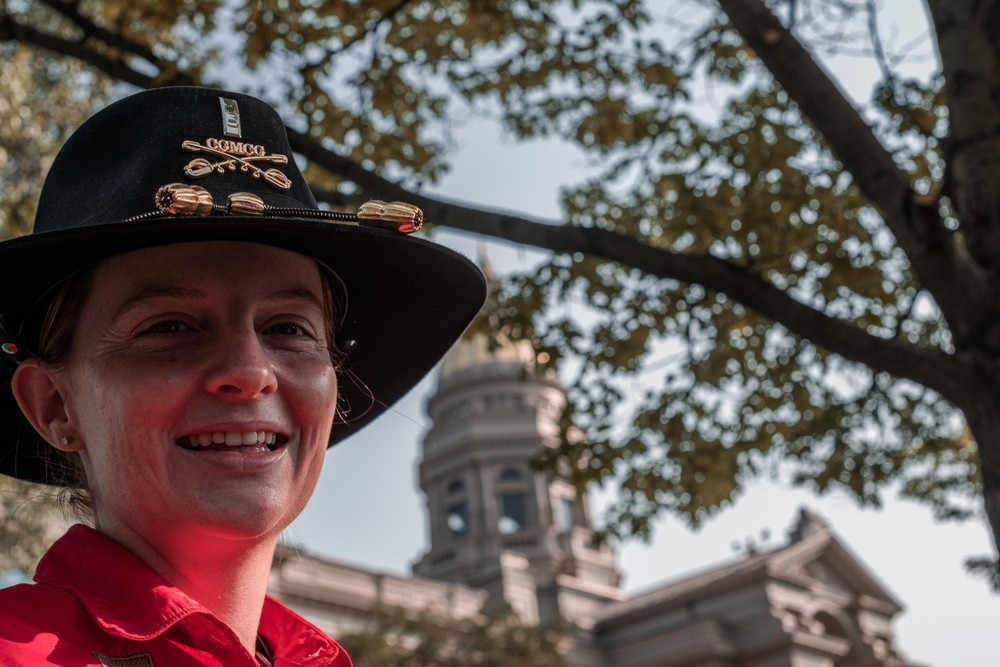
776,280
394,638
29,521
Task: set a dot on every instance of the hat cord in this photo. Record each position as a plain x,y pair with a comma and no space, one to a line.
181,199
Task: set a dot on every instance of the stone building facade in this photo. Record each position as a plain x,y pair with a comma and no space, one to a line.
499,531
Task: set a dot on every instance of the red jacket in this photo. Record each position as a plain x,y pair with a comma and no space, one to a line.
96,604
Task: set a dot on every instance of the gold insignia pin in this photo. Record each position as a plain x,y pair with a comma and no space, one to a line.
235,154
397,215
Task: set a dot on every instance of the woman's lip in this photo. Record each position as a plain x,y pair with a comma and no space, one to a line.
236,462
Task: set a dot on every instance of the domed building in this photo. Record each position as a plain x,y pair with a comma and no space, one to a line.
500,532
495,523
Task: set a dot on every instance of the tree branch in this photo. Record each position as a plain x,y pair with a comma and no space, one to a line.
390,15
929,367
12,30
822,103
91,29
880,55
940,260
361,35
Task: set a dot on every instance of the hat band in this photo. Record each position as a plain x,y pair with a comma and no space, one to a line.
181,199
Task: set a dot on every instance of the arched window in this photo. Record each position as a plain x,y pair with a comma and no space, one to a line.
510,475
458,520
831,626
513,516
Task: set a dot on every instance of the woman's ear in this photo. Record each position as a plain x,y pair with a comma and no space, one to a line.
37,391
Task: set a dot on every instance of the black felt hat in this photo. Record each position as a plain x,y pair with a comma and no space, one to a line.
174,165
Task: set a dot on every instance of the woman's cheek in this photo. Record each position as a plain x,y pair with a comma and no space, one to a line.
319,386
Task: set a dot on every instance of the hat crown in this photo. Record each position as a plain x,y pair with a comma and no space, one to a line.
111,168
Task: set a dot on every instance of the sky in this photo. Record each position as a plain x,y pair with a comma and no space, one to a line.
368,510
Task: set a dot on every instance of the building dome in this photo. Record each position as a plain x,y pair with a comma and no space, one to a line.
472,355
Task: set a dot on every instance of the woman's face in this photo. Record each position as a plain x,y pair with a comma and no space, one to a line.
201,390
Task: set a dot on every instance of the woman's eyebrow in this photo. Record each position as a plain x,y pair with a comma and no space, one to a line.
194,294
296,294
147,293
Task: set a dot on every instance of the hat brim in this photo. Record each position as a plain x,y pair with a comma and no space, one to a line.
409,300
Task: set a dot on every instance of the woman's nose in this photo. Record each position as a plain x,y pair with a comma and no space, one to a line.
241,367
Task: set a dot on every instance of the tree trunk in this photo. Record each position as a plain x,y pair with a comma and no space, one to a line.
983,416
960,271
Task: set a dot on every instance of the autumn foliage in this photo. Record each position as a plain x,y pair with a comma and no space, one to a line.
761,277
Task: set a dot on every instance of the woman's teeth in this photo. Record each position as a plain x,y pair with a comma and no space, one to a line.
250,441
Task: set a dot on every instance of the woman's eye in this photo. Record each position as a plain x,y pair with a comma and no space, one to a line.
287,329
167,327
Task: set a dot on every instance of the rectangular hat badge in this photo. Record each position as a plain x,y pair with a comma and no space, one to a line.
230,118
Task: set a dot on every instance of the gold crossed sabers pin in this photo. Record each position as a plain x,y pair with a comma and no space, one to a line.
200,167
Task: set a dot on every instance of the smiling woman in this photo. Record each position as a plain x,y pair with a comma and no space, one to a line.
234,360
182,354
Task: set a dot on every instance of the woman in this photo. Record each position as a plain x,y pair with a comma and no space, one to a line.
182,354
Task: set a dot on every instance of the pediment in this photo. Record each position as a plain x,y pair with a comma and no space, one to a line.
822,572
821,562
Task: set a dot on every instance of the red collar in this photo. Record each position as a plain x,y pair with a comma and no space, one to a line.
127,598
